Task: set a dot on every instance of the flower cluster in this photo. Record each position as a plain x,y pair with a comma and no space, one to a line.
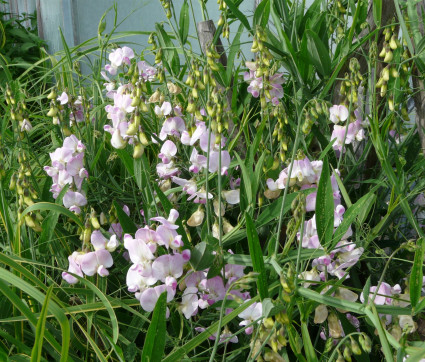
91,262
345,133
160,263
68,169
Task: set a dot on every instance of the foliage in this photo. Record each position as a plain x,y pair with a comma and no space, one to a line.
267,208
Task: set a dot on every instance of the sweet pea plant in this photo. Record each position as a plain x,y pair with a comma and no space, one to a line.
200,200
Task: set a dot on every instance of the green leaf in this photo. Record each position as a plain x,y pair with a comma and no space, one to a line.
261,14
54,208
349,216
127,160
234,48
416,275
52,307
184,22
180,352
366,291
128,226
256,256
318,54
154,345
238,14
308,346
325,207
377,12
201,256
171,56
41,324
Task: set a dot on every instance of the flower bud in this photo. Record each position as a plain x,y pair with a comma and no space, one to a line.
355,348
393,42
197,218
347,354
388,56
268,323
102,218
52,95
52,112
138,151
383,90
94,221
365,342
335,329
320,314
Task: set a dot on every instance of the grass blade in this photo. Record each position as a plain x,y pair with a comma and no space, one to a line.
41,325
256,256
153,348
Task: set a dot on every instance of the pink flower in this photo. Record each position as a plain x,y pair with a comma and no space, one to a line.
189,305
250,315
96,262
172,126
214,161
170,222
166,170
189,186
150,296
138,251
74,200
198,161
63,98
74,267
117,57
164,110
168,266
168,151
146,71
338,113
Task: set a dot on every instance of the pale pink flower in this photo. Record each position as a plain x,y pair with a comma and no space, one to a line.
96,262
250,315
338,113
168,151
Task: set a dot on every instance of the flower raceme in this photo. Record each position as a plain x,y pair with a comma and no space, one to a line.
68,169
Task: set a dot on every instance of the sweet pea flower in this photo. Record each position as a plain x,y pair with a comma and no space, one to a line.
251,315
166,170
189,304
150,296
189,186
74,201
63,98
170,222
74,267
164,110
168,151
146,71
198,161
138,251
172,126
232,196
338,113
168,266
214,161
96,262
